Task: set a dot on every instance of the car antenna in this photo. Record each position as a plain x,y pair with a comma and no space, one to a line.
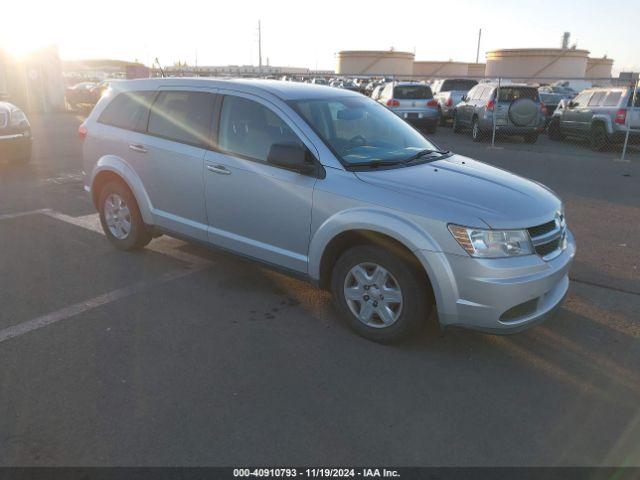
160,67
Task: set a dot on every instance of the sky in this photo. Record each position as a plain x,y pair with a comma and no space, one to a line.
309,33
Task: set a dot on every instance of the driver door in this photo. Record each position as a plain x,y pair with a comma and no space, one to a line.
254,208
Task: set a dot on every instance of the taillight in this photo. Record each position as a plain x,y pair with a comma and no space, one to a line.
543,108
621,116
82,131
432,103
393,103
490,105
449,102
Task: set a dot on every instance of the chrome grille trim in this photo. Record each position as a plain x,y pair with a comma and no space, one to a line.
554,239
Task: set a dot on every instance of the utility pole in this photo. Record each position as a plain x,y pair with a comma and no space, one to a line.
259,48
478,50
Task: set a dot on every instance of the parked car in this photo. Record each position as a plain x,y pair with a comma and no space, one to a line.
81,94
551,102
318,81
377,91
602,115
517,111
15,134
448,92
333,187
413,102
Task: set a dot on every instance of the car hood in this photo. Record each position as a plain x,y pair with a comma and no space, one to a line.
497,197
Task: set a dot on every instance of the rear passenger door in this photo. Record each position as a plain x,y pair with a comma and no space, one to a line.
178,134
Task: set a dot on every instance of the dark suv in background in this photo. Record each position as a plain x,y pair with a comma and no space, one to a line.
602,115
516,110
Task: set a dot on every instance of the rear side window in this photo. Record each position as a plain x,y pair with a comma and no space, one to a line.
612,99
457,85
412,92
184,117
596,99
128,110
509,94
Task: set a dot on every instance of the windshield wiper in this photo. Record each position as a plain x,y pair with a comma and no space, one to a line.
422,153
391,163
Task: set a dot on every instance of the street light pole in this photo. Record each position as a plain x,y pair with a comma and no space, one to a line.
478,50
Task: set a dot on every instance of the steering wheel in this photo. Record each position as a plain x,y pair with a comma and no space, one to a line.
357,141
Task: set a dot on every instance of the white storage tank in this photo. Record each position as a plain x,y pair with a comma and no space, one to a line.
599,67
374,62
433,69
476,69
537,63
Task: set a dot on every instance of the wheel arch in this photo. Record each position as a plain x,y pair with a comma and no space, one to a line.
113,168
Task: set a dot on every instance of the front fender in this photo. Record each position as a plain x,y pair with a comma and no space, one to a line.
116,165
377,220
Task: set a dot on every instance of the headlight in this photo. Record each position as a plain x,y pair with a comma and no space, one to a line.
18,118
478,242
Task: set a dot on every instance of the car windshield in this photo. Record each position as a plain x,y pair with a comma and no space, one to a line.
412,92
458,85
361,131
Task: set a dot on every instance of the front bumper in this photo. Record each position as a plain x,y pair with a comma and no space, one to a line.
504,295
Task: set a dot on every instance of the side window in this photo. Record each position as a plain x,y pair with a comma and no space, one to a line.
472,92
613,98
581,100
128,110
596,99
184,117
248,129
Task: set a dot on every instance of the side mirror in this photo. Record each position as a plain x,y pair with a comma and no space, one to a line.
291,156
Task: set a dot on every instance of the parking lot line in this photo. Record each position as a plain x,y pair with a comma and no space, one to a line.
95,302
9,216
163,245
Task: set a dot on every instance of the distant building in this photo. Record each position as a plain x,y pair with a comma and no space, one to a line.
103,69
35,82
233,70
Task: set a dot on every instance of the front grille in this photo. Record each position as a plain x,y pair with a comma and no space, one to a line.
548,238
542,229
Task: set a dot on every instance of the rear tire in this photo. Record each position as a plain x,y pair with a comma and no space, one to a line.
365,274
120,217
598,138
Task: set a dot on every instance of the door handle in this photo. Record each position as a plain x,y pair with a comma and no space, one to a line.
220,169
138,148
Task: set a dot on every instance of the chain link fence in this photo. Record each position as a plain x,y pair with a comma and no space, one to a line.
600,114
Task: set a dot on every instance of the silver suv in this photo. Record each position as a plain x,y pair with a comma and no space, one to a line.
332,186
448,93
602,115
517,110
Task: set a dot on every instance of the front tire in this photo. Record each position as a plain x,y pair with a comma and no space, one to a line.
120,217
381,296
